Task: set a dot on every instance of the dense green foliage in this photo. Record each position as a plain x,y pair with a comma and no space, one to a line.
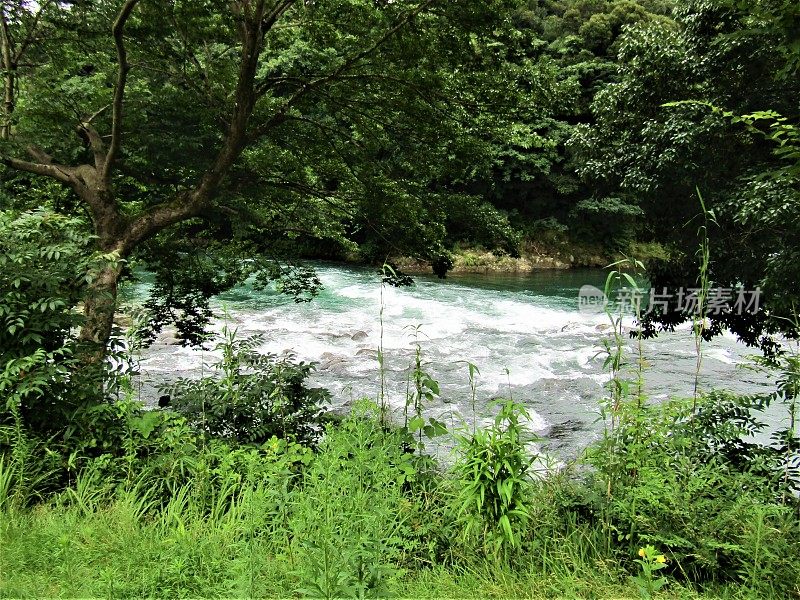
46,263
649,151
359,518
217,143
253,397
348,126
408,129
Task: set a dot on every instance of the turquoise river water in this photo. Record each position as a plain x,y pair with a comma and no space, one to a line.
524,333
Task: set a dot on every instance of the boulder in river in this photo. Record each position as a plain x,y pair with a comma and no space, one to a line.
328,364
359,335
169,339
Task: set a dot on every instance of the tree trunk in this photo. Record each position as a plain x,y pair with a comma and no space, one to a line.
8,104
99,308
9,75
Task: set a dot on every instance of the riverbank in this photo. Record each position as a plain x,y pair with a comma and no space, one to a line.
534,256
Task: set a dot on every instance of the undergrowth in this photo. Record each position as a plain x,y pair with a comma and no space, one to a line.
361,516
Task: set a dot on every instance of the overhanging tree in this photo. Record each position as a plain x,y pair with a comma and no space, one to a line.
651,151
261,119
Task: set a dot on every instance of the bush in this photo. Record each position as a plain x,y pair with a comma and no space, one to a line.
494,481
45,263
54,407
685,478
252,397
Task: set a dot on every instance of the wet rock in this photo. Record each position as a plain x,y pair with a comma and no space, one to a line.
528,344
563,430
332,361
358,336
367,352
588,389
337,336
169,339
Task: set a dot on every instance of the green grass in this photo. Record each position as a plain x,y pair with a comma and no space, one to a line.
114,550
359,518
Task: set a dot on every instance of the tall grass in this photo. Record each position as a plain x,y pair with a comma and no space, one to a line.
358,519
704,283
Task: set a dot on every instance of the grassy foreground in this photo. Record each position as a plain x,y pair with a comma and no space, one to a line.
360,517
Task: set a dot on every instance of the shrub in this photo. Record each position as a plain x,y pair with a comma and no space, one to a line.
252,397
690,481
53,408
45,264
493,481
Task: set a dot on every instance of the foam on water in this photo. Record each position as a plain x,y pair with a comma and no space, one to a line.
525,334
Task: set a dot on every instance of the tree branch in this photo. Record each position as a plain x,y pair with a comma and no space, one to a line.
119,92
57,172
29,37
270,19
97,113
194,203
244,102
39,155
150,221
89,133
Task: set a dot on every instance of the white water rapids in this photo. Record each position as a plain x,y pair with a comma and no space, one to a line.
524,333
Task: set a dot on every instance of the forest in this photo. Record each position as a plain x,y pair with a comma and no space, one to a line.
297,298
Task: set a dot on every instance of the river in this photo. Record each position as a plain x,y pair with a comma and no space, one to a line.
524,333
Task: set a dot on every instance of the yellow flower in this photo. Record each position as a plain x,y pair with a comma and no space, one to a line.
641,552
661,559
